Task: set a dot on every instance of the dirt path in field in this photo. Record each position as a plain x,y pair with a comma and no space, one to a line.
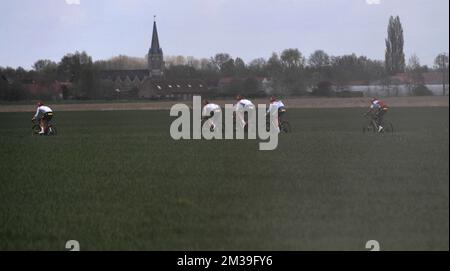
307,102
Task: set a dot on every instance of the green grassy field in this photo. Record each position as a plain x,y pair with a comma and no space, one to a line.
117,181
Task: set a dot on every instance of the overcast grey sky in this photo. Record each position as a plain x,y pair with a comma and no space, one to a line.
48,29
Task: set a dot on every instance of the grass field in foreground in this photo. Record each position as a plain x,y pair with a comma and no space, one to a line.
117,181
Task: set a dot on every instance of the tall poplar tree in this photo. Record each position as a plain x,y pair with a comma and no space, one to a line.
395,57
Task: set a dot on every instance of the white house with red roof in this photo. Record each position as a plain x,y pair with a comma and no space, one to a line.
400,84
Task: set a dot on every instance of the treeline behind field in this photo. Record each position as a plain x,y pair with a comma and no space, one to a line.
286,73
289,72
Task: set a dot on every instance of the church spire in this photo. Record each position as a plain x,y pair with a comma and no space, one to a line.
155,54
155,39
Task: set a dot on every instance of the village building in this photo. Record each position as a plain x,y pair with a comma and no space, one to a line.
151,83
401,84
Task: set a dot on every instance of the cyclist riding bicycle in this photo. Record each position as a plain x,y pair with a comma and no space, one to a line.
276,106
242,107
378,109
45,113
209,111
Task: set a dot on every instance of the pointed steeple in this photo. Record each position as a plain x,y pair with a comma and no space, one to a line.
155,55
155,39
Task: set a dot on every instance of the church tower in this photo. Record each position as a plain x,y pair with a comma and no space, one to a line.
155,55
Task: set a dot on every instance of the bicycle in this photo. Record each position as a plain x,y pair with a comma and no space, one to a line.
284,125
50,130
372,125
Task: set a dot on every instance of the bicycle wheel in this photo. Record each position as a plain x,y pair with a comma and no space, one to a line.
52,131
285,127
35,129
369,128
388,127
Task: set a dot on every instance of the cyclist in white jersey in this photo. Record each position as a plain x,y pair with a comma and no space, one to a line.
209,111
45,114
243,105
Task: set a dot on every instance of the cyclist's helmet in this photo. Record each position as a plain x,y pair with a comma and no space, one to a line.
39,104
273,99
373,99
239,97
206,102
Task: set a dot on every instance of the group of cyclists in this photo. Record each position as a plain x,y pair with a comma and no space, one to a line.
243,106
377,111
